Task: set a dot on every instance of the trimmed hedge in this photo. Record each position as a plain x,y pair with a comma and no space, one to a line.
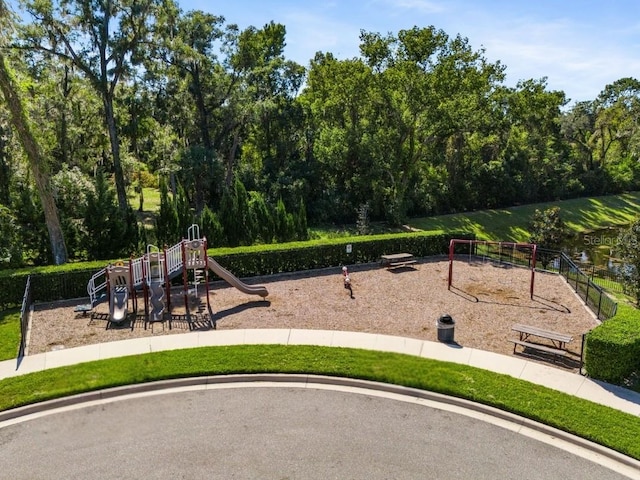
70,281
612,349
300,256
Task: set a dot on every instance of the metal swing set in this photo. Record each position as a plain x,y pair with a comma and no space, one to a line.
502,246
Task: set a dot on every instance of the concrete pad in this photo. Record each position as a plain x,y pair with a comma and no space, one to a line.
497,363
389,343
217,338
135,346
173,342
552,377
446,352
71,356
365,341
322,338
270,336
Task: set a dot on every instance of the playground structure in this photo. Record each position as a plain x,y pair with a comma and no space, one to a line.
510,248
152,275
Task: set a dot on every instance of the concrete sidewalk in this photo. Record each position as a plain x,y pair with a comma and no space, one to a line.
555,378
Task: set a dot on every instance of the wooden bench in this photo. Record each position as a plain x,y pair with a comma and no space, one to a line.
558,340
396,260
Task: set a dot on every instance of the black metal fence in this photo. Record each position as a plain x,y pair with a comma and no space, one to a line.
25,310
584,283
593,295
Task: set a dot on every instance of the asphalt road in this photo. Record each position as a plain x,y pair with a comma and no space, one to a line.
277,433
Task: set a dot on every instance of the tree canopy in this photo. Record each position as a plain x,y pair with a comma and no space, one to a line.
257,146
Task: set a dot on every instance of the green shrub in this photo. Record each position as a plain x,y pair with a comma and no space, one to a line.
298,256
612,350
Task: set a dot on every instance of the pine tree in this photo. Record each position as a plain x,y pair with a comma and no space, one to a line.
302,230
111,233
285,225
184,213
210,227
167,226
262,217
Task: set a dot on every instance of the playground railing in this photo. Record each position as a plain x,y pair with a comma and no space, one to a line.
137,273
174,259
593,295
97,284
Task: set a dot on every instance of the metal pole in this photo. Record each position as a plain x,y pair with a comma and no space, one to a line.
451,246
582,353
533,269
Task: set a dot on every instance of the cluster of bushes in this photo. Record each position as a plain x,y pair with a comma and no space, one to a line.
612,349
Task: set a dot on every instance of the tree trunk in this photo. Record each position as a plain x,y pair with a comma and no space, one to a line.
121,189
36,162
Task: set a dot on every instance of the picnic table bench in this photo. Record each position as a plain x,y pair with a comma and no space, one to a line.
558,340
395,260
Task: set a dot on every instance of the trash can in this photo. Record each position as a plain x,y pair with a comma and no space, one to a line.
446,327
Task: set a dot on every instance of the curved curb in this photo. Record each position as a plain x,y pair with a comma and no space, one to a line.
310,380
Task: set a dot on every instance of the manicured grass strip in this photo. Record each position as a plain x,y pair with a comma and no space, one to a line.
10,334
511,224
604,425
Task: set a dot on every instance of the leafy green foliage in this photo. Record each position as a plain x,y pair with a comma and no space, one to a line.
612,349
11,246
547,231
110,231
420,124
167,223
628,250
210,227
264,225
32,226
547,228
184,212
285,224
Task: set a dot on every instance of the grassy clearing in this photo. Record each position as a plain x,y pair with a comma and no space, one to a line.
601,424
151,199
511,224
9,333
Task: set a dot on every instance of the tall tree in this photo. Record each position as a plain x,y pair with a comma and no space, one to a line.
37,162
104,39
628,249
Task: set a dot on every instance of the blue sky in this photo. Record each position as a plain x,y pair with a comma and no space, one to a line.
579,45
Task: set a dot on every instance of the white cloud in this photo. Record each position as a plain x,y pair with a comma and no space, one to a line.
308,33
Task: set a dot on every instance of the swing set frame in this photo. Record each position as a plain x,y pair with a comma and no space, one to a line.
512,245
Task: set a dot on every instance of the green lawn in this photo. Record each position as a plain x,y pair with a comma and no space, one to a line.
150,196
510,224
9,333
598,423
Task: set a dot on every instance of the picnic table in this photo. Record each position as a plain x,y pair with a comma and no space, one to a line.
558,340
395,260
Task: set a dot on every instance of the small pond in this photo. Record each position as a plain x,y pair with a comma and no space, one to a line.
597,247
